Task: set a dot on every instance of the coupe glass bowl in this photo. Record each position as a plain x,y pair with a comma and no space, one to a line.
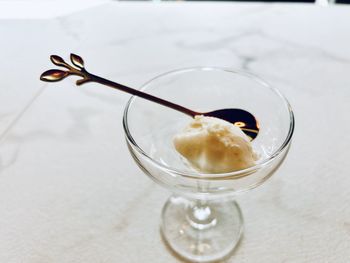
201,222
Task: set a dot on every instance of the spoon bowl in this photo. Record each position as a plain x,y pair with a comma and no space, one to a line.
240,118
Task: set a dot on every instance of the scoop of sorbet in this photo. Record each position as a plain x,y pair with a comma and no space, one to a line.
212,145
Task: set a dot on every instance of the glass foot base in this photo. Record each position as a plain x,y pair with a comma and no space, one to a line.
201,231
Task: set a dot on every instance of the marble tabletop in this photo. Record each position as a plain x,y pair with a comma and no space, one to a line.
69,190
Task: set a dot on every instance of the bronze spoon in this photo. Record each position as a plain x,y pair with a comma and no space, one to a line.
241,118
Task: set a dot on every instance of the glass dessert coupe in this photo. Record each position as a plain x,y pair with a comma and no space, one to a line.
201,222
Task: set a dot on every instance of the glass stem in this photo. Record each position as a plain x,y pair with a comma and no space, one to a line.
200,214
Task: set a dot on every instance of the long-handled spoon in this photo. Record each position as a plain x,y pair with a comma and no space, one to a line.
241,118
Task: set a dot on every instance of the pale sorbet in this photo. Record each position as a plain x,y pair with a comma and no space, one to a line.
212,145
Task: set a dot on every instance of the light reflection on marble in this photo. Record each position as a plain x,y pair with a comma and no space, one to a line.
69,191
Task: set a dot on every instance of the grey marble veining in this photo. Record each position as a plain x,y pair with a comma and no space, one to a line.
69,190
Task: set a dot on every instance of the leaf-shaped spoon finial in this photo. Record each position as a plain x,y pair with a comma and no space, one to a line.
77,69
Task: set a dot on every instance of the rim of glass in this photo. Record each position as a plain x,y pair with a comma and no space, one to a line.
216,176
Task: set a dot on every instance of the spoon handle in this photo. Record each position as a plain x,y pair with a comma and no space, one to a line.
78,69
138,93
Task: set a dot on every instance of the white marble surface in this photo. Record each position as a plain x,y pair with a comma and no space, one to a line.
70,192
